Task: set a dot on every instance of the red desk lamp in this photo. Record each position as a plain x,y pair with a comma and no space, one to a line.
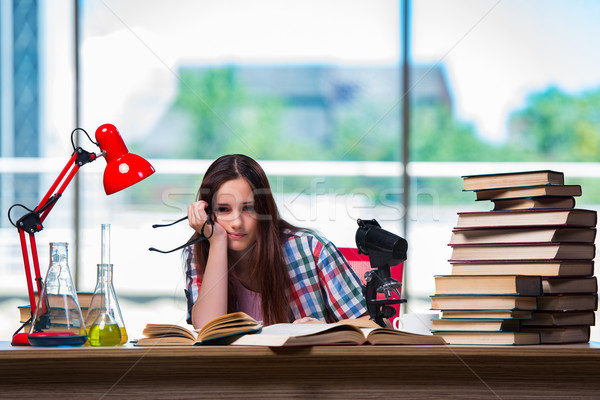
123,169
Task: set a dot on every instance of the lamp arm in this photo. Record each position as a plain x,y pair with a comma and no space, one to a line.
28,276
31,223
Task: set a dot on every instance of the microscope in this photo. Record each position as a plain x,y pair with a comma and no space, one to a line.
384,249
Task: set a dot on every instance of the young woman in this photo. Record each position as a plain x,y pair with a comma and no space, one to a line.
256,262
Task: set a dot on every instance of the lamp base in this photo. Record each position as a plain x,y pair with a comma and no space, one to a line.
20,339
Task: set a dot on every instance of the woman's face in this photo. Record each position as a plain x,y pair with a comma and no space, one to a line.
234,210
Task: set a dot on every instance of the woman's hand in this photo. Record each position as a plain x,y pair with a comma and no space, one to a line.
308,320
197,217
212,295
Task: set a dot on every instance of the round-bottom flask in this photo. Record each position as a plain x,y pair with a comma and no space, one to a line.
58,320
104,321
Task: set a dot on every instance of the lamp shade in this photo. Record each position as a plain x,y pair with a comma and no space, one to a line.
123,168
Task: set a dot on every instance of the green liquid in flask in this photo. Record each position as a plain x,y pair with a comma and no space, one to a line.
123,335
104,334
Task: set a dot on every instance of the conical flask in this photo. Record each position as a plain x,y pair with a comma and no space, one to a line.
58,320
104,320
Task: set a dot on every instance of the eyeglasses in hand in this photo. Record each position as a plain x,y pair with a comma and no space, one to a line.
205,233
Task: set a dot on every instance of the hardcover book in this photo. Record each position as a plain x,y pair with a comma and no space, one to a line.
509,179
83,298
524,285
560,335
528,191
346,332
533,202
25,313
487,314
477,325
568,318
523,251
519,267
554,285
221,330
490,338
482,302
522,235
567,302
573,217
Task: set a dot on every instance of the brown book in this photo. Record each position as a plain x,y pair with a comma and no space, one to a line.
25,313
349,332
221,330
483,325
523,285
554,285
528,191
560,335
510,179
538,267
475,302
522,235
571,217
524,251
568,318
487,314
533,202
83,298
490,338
568,302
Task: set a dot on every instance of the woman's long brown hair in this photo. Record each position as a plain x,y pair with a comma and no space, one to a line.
268,267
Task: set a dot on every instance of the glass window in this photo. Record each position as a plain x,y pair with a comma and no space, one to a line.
310,89
299,88
521,89
36,119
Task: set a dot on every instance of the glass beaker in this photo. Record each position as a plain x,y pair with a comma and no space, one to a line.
104,320
58,320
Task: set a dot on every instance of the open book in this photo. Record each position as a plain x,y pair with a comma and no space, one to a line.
221,330
346,332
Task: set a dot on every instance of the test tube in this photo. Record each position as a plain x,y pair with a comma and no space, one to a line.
105,243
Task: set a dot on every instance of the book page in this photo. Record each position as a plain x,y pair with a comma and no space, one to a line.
359,323
279,334
295,329
156,330
391,336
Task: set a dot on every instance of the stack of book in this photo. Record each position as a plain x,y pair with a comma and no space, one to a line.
84,299
523,272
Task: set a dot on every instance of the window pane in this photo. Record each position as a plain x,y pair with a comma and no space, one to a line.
523,85
188,81
36,119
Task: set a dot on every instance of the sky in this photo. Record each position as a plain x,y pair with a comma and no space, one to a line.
498,52
494,52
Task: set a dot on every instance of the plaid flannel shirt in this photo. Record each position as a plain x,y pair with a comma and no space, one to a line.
323,285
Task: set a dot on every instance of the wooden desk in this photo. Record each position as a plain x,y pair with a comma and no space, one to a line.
336,372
